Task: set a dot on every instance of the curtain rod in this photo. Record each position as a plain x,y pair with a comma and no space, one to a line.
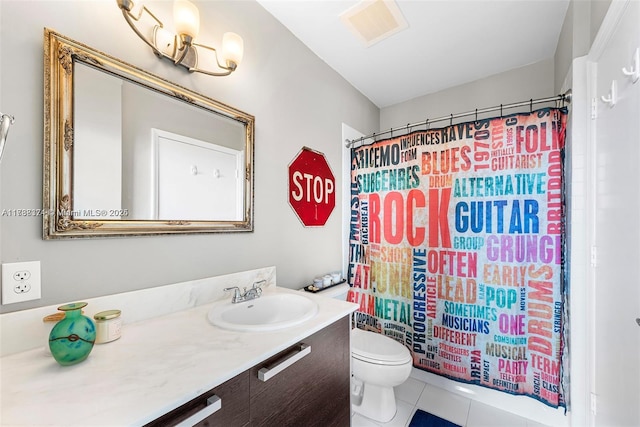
565,97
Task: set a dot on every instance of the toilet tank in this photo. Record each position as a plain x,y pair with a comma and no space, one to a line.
336,292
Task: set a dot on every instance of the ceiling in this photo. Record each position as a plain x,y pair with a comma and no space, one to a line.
447,43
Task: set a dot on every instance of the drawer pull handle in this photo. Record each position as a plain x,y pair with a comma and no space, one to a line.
265,374
214,403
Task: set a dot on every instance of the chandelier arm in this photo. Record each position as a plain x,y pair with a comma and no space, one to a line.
210,73
129,17
215,54
143,9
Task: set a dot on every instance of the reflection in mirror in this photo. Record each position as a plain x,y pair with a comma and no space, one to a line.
129,140
129,153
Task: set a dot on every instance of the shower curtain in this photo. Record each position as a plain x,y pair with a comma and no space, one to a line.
456,250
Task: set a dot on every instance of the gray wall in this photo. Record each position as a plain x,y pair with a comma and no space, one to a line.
533,81
581,24
297,101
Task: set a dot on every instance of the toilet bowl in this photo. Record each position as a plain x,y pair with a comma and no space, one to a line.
378,363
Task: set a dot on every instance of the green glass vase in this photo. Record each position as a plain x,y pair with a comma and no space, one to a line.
72,338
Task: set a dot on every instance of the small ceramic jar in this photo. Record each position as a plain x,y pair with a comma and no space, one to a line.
318,282
326,280
108,326
336,277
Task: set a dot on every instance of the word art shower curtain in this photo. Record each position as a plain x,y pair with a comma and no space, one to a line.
456,249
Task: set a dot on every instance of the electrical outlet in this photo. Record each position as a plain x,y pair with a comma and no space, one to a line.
21,275
20,282
22,287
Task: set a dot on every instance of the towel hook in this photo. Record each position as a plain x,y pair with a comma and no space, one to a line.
634,72
612,97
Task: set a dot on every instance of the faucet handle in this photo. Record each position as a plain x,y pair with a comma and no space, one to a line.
257,286
236,294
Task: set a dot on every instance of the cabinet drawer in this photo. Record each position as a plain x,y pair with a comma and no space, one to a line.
234,395
312,391
305,385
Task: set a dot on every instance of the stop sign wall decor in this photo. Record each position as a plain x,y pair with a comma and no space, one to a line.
311,187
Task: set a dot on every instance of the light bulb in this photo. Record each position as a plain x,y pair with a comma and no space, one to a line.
187,18
232,48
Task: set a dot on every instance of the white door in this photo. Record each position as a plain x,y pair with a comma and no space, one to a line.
197,180
616,341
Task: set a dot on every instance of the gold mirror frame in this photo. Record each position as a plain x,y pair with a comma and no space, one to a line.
60,53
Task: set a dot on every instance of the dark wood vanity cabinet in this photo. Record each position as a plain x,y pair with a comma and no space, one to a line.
314,391
296,387
234,411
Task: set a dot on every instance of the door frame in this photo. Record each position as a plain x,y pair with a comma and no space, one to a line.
586,410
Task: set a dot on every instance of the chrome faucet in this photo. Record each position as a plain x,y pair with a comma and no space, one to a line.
246,295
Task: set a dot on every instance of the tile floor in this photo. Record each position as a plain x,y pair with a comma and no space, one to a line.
415,394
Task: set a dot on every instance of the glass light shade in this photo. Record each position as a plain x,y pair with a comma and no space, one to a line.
186,18
232,48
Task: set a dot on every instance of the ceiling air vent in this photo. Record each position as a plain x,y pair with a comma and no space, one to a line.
373,21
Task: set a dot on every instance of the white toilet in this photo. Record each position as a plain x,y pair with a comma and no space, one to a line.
378,364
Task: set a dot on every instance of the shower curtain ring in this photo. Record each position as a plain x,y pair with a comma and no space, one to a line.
427,123
451,120
531,105
500,110
476,114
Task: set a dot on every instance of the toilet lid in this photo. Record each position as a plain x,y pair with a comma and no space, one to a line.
376,348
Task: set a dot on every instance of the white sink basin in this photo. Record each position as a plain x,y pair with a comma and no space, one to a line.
266,313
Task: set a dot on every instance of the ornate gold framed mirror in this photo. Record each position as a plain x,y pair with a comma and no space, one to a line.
129,153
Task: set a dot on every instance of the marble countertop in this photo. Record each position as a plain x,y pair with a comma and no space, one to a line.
156,366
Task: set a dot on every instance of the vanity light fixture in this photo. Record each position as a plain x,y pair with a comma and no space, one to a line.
181,47
5,122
